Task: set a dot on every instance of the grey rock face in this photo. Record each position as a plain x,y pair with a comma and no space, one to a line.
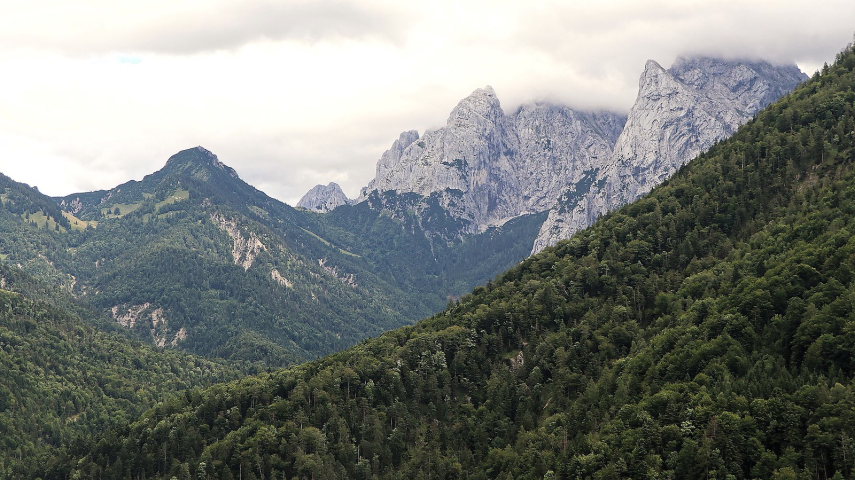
560,147
679,113
486,167
391,158
323,198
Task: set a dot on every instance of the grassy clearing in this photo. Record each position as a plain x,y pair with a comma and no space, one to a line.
179,195
327,243
124,209
259,211
40,220
78,224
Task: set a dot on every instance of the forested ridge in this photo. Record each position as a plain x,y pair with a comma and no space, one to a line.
236,274
704,331
64,380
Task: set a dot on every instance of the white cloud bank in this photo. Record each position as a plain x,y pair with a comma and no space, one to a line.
295,93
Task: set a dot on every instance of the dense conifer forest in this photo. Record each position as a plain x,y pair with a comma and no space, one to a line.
704,331
64,380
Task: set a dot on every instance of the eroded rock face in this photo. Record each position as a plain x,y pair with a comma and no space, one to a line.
179,337
346,278
74,205
280,279
128,316
324,198
682,112
485,167
147,316
679,113
391,158
245,247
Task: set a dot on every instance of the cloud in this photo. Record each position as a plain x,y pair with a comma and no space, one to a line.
188,27
292,94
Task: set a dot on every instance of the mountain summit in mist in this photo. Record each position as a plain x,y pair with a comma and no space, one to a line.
486,166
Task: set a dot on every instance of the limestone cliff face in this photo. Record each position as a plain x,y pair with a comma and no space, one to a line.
323,198
679,113
683,111
486,167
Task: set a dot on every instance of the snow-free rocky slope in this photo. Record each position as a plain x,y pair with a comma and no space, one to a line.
324,198
678,114
486,166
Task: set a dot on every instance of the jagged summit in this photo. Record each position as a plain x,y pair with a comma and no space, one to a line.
485,166
324,198
390,159
651,66
482,102
679,113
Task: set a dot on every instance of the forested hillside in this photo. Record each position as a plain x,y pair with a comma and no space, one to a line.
64,381
193,258
705,331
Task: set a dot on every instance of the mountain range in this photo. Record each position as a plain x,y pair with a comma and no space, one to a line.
486,167
192,258
704,330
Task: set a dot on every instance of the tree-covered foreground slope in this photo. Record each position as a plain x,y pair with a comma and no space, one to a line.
705,331
64,381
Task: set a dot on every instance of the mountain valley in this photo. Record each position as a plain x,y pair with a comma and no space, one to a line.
719,286
701,331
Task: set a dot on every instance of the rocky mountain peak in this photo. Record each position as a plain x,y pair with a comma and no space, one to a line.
486,167
679,113
405,139
656,83
652,67
390,160
483,103
324,198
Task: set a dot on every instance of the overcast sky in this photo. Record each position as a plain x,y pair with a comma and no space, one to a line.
294,93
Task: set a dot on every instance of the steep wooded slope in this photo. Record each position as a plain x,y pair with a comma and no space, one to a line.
191,257
704,331
63,380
